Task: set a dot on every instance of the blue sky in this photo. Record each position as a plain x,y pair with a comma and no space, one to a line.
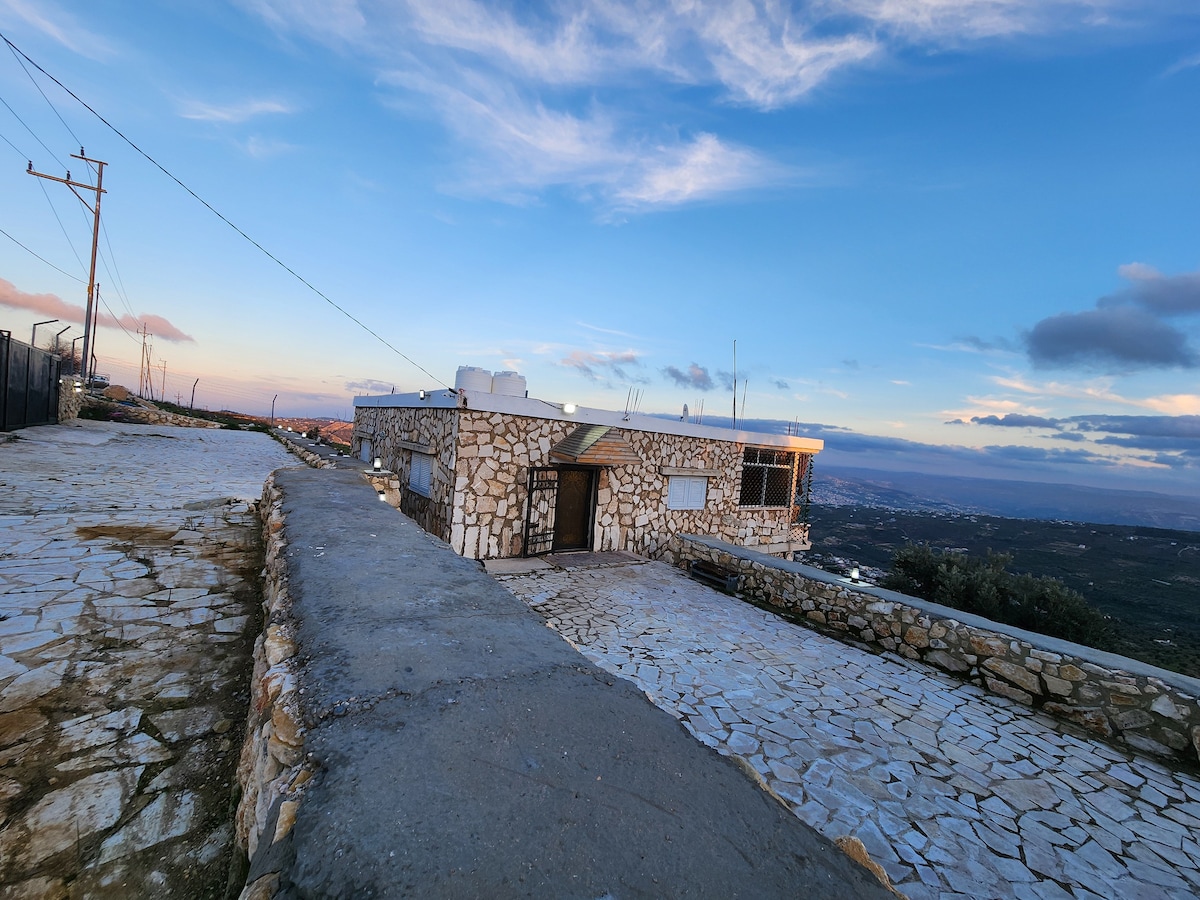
947,235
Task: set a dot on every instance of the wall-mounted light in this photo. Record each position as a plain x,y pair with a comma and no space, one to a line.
421,394
378,464
383,496
854,574
569,408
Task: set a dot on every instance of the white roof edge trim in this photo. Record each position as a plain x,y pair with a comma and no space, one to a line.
482,401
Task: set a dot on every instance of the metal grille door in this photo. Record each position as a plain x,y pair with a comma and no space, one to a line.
539,511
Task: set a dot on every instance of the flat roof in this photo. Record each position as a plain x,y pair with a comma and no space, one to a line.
485,401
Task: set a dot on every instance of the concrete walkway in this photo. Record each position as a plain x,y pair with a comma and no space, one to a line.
956,792
129,560
465,750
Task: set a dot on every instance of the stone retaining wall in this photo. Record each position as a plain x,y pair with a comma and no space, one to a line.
142,413
1150,709
70,400
307,451
271,771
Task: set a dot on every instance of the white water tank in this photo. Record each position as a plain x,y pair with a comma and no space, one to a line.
510,384
473,378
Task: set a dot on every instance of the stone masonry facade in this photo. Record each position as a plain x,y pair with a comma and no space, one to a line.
1156,714
479,482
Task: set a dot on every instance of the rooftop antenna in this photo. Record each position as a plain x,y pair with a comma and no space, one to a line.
745,388
734,421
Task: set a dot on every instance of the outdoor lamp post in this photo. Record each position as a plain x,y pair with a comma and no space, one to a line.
57,336
74,368
33,334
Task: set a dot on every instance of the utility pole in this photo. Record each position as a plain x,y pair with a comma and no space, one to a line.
98,190
144,386
162,394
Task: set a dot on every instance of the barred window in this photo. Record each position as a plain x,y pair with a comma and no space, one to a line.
767,477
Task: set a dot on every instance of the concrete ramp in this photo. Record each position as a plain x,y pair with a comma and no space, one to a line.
465,750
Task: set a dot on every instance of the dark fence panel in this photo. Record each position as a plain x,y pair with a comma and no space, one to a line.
28,384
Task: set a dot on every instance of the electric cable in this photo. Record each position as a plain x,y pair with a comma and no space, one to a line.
44,97
43,259
216,213
20,153
31,131
46,194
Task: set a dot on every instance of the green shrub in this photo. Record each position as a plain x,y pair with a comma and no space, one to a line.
986,588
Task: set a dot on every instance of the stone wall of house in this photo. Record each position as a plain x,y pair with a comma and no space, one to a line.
497,450
271,771
1150,709
389,430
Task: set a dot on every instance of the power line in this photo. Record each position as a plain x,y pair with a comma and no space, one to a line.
43,93
30,130
115,318
46,261
20,152
120,284
46,194
214,211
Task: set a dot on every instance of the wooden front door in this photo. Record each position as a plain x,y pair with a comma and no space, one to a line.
576,505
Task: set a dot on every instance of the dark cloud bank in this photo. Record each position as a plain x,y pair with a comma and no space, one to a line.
1127,331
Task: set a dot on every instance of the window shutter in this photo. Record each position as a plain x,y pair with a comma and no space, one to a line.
420,474
676,492
686,492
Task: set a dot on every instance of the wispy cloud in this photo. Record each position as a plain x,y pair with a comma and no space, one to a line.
233,113
266,148
586,95
598,365
694,376
701,168
54,23
956,21
1188,62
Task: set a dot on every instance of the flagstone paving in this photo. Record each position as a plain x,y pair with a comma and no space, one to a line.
128,582
955,792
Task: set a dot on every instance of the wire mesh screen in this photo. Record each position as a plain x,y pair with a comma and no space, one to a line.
767,477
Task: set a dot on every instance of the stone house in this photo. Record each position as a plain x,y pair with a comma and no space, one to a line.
503,475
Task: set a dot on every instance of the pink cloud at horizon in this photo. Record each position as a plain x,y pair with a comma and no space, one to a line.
53,305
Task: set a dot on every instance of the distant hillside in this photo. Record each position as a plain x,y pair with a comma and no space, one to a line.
916,492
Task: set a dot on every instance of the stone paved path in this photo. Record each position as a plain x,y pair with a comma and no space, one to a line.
128,585
955,792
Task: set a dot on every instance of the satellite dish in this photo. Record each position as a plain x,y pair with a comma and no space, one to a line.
684,417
